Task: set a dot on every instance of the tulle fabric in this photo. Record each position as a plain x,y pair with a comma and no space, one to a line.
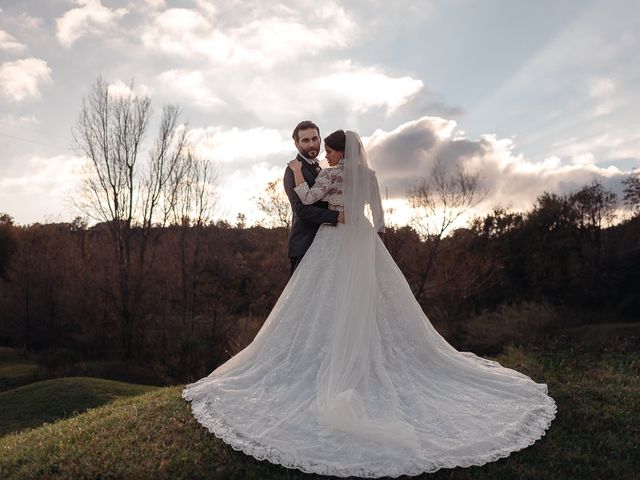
356,381
354,345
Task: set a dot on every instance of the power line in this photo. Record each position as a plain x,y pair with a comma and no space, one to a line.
28,140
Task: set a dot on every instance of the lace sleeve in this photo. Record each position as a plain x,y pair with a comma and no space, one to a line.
318,191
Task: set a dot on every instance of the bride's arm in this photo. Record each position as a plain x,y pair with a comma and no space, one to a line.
314,194
317,192
296,166
310,213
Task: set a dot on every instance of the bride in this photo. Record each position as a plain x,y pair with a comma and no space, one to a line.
347,376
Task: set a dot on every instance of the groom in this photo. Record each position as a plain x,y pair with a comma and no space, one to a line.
306,218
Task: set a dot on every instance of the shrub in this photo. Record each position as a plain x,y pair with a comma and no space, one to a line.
510,324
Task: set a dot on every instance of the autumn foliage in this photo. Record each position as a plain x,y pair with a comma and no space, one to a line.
206,290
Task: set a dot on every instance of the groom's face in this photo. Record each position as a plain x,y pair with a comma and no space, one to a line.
308,143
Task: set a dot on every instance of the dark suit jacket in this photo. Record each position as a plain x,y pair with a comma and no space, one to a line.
306,218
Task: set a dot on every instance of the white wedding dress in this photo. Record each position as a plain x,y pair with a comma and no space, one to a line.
347,376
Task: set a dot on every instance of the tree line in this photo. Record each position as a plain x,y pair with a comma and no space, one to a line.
155,281
206,289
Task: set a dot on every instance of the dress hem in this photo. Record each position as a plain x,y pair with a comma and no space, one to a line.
527,434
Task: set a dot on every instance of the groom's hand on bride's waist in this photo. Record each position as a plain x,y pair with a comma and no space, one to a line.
341,217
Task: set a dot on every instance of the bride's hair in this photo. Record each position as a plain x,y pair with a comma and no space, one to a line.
336,140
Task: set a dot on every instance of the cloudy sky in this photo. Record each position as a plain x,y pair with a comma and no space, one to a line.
537,95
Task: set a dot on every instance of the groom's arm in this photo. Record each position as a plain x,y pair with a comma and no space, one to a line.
309,213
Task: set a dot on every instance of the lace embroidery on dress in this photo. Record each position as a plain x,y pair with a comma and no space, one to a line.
328,187
319,384
467,410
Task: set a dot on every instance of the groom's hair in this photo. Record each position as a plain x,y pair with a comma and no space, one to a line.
303,126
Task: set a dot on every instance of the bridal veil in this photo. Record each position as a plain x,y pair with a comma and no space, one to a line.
355,343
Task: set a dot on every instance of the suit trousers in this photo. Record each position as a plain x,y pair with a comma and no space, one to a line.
295,261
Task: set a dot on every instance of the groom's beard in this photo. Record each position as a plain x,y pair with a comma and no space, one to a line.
311,154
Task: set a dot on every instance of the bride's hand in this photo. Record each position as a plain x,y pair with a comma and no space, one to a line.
295,165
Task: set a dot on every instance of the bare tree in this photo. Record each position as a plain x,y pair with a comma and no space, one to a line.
275,205
631,192
190,207
438,201
130,195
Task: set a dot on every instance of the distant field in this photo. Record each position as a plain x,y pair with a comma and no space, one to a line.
50,400
16,370
595,435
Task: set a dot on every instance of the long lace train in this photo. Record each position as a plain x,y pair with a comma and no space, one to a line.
444,408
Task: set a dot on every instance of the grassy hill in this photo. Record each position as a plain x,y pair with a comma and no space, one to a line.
595,434
50,400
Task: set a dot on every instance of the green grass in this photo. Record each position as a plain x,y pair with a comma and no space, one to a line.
594,436
603,333
50,400
16,370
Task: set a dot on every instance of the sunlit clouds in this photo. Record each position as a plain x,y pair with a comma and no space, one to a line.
121,89
366,87
9,44
248,36
18,121
408,152
189,86
231,146
89,17
30,185
547,104
23,79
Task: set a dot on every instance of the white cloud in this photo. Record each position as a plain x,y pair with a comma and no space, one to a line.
367,87
235,146
29,22
249,63
206,7
119,88
155,3
603,91
41,187
39,175
8,43
601,87
584,159
230,37
190,85
249,159
238,191
22,79
22,22
407,153
616,143
18,121
89,17
581,83
341,89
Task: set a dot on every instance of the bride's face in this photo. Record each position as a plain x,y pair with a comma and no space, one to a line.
333,156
